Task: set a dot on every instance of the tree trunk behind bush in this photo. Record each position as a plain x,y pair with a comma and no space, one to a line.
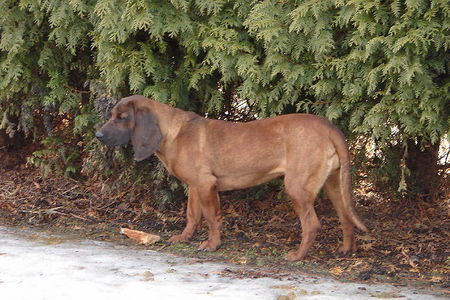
422,162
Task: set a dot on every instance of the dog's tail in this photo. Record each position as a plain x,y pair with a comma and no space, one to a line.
341,147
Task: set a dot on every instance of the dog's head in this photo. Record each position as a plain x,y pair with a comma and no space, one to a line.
132,120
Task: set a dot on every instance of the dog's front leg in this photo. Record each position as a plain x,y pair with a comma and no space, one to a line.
210,206
193,217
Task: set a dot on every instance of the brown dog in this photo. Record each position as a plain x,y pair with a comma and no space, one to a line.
213,155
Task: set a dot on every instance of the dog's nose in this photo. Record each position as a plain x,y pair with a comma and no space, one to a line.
99,134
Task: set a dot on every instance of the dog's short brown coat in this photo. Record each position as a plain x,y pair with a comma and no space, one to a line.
214,155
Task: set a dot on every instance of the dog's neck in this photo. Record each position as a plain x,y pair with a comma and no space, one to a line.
173,119
169,125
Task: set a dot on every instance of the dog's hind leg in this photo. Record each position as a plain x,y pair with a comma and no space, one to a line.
302,188
303,202
332,189
303,205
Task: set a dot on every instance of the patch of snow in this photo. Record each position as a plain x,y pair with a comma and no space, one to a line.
31,268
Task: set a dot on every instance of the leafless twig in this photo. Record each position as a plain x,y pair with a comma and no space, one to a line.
54,210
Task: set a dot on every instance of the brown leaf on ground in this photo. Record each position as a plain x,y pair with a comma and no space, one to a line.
148,276
367,247
140,236
336,271
284,287
7,207
289,296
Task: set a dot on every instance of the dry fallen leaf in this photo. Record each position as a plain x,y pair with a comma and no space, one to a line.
367,246
289,296
16,190
302,292
284,287
336,271
242,260
7,207
140,236
357,263
433,279
148,276
384,295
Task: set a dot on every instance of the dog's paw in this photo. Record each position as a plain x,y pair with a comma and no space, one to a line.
347,248
344,250
208,246
293,256
180,238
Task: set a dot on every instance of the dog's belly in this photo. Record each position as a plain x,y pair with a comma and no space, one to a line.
235,182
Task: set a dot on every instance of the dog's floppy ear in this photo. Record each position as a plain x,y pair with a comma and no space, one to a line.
146,135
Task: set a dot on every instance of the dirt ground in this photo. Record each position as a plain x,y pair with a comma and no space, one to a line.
407,243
